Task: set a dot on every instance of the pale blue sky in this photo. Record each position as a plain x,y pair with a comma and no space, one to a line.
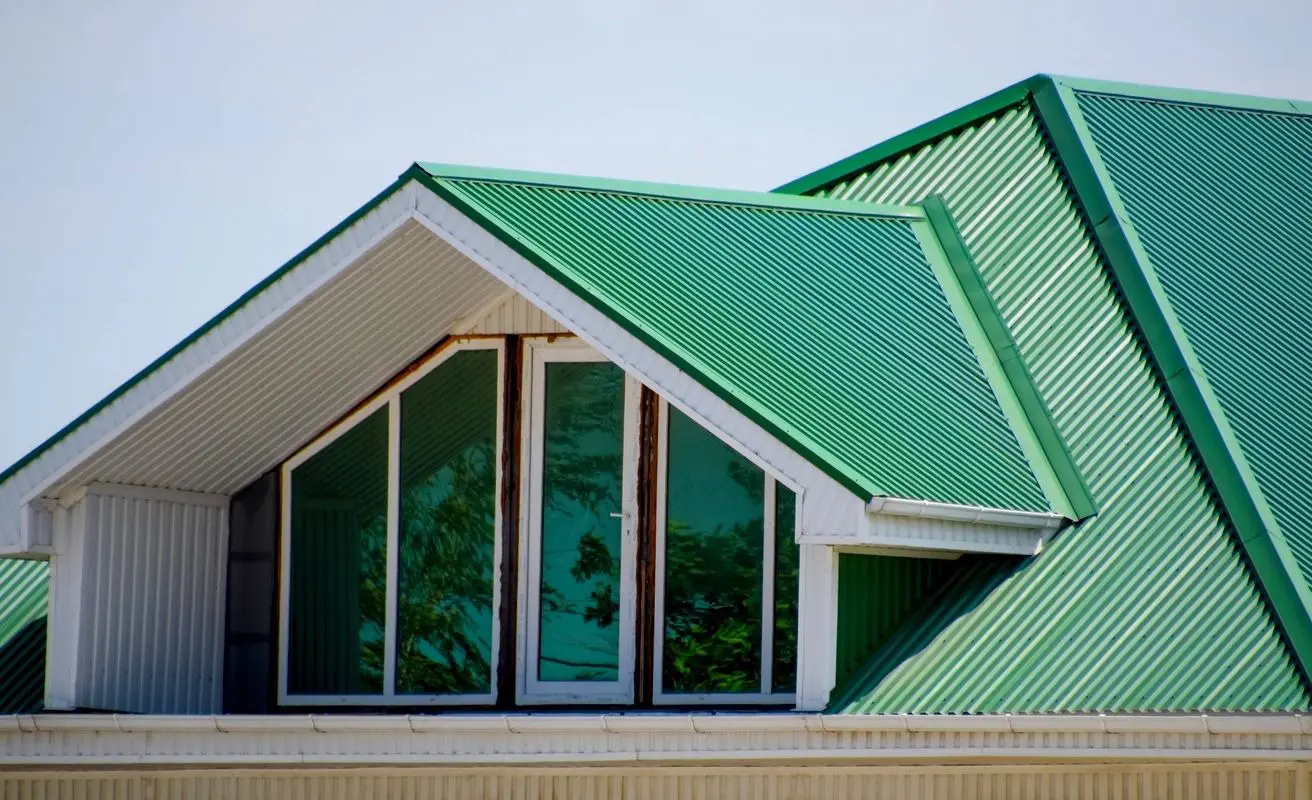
156,159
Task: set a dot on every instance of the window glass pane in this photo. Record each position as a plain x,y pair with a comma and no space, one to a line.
583,423
447,547
713,564
784,667
339,564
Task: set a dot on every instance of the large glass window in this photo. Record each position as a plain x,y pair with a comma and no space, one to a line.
446,557
726,602
583,423
578,578
392,571
390,543
339,565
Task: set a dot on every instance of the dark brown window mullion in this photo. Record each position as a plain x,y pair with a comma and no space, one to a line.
646,627
510,469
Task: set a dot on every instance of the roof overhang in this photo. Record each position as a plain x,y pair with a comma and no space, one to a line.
325,331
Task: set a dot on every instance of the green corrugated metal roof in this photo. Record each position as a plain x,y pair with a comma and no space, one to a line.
23,586
1148,606
1221,199
824,321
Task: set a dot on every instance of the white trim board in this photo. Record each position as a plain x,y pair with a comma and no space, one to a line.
126,741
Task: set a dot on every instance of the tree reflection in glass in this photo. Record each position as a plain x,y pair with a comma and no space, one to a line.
445,562
713,564
583,422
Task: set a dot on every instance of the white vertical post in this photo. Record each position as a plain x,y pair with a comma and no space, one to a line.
767,588
393,540
64,634
817,625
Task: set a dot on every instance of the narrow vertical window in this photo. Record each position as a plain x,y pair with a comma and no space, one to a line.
583,450
390,553
783,671
338,565
447,537
727,578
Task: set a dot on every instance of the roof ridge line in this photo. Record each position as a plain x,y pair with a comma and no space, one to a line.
1184,96
668,191
1272,563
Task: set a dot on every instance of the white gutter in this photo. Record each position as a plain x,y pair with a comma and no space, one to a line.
952,512
1224,724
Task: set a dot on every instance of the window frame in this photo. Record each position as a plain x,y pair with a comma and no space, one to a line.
537,353
769,496
390,397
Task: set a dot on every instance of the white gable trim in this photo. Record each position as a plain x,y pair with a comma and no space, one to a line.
833,508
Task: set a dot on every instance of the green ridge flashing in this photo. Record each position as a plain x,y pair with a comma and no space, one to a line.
977,334
209,325
1200,413
493,224
949,123
1051,461
668,191
1167,94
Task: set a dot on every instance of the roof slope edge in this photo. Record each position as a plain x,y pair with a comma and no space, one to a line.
1237,488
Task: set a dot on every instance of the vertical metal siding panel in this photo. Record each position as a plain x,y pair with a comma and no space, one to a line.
1145,782
516,314
1147,606
153,611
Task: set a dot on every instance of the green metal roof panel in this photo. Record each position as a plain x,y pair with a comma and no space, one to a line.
1219,198
821,320
1148,606
23,587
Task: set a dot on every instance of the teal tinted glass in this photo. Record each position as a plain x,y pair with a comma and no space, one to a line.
339,564
446,557
583,422
713,564
784,662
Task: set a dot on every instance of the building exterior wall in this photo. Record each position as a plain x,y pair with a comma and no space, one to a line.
137,624
1276,781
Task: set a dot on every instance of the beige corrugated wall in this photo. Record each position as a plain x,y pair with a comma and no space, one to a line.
1267,780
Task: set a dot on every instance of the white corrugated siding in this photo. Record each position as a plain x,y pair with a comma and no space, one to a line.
513,314
1076,782
151,627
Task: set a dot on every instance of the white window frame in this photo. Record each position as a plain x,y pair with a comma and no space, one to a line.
765,696
538,352
391,397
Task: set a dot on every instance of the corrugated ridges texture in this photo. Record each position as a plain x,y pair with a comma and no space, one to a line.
23,591
1221,200
829,327
1148,606
876,594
